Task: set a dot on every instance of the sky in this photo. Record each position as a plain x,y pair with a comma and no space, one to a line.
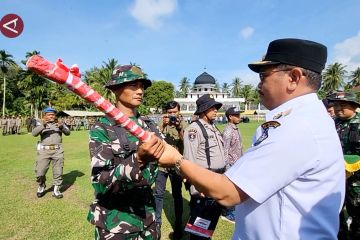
172,39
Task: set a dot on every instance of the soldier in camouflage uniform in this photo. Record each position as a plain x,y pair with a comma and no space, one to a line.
348,127
124,207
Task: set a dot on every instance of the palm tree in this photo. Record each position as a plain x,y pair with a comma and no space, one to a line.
111,64
217,86
5,62
184,86
98,77
247,93
354,78
28,55
36,88
333,78
225,88
236,87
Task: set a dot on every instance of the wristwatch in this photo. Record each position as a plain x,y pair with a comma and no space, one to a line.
178,164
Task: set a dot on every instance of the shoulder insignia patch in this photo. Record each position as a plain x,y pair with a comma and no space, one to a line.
192,134
265,128
282,114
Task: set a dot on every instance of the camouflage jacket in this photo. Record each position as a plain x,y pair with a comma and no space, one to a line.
172,137
124,202
349,134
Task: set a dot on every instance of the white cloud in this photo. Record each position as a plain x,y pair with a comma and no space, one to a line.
247,32
150,12
348,52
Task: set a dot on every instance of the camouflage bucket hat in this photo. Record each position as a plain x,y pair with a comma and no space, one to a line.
127,73
344,96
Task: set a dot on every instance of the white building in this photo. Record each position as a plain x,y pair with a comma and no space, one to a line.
205,84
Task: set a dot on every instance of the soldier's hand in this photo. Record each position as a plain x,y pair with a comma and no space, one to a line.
150,150
169,156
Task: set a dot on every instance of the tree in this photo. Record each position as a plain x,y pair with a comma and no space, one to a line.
158,94
247,93
217,86
28,55
5,62
184,87
110,64
36,88
236,87
98,77
225,88
354,78
333,78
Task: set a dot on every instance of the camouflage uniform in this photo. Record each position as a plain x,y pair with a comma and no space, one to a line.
349,134
124,207
124,202
172,137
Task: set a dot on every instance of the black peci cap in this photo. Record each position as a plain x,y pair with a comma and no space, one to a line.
297,52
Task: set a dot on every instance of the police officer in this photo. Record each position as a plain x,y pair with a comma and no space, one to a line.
348,127
172,127
49,149
203,145
124,207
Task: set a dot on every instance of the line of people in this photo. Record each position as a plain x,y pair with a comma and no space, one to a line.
11,125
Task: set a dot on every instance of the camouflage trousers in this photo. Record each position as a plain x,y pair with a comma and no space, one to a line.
148,234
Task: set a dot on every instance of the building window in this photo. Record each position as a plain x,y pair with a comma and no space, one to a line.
183,107
205,89
192,108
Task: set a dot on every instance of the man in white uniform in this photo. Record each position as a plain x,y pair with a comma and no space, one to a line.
290,183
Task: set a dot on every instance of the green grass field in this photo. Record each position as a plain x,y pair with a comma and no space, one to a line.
24,216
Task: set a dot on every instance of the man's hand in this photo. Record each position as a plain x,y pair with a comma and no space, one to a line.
169,156
150,150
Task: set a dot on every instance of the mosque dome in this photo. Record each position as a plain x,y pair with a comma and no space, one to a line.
205,78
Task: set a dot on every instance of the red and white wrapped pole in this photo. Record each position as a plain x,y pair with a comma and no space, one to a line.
61,74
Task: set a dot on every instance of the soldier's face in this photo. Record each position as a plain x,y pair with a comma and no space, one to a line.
344,110
131,94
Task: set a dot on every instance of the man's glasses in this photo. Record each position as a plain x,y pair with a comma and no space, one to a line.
263,75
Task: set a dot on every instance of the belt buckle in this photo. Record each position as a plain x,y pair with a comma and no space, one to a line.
52,147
